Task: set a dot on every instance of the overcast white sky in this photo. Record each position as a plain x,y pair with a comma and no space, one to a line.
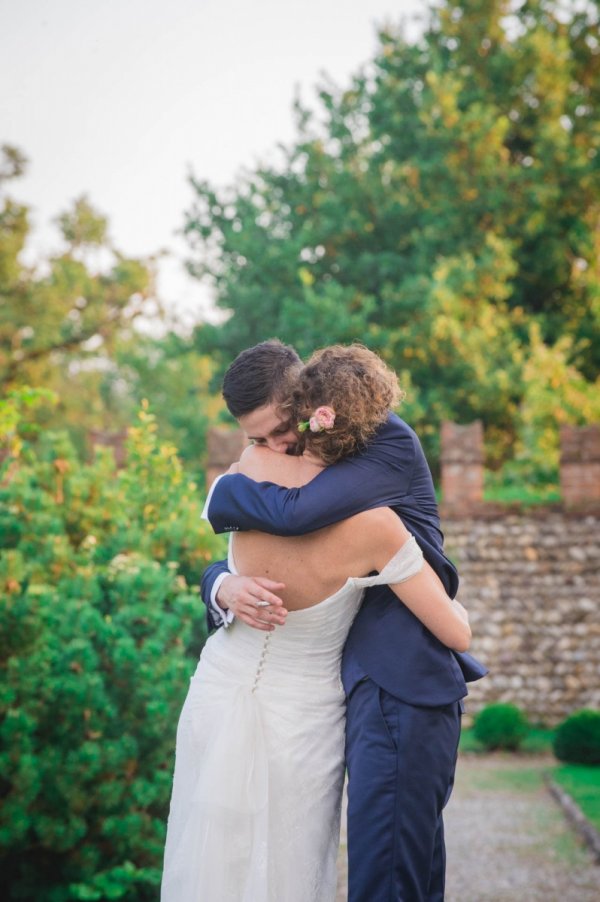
119,98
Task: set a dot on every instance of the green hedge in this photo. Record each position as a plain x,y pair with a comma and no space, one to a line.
99,628
577,739
500,726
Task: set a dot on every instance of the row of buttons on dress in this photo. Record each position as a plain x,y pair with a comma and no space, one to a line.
261,661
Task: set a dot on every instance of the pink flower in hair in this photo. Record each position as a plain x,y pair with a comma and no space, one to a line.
322,418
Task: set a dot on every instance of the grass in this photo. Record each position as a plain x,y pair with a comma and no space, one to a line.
522,780
522,482
521,494
580,781
538,741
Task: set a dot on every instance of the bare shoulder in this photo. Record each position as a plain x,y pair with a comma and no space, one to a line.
255,459
254,454
264,465
382,519
382,532
366,541
374,528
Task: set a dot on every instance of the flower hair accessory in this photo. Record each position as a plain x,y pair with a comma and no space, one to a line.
323,418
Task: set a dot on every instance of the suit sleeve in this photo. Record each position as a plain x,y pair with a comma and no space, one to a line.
379,477
212,572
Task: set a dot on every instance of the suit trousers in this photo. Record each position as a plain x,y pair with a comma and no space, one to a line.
401,760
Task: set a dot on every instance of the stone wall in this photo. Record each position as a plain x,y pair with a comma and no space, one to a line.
531,583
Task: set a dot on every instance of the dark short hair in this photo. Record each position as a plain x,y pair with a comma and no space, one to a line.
259,375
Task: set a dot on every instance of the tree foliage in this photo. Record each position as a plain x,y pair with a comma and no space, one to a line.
71,311
171,372
444,210
69,325
100,624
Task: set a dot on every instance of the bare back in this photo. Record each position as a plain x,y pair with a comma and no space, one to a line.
313,566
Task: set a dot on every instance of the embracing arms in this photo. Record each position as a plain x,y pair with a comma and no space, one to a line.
223,592
380,476
422,592
391,471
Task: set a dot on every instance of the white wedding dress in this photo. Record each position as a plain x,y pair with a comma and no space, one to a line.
259,768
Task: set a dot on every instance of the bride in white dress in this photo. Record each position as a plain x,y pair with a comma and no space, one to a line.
255,809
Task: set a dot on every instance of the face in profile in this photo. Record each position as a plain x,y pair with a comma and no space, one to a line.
264,426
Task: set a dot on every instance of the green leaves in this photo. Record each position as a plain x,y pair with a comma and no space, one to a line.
100,626
71,310
437,208
83,225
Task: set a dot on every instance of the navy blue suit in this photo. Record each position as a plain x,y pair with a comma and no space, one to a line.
404,688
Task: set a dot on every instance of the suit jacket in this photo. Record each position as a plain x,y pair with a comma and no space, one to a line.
386,642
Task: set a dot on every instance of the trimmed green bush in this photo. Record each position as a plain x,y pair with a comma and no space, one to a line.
500,726
100,625
577,738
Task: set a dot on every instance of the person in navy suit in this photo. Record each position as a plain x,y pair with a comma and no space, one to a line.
404,689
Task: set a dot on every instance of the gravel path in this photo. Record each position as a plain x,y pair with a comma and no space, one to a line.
507,839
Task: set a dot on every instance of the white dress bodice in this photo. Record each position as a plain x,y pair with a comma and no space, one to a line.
259,768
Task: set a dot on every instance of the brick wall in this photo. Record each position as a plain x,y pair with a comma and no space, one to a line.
223,447
580,464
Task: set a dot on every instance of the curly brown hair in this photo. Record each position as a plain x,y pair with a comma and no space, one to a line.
359,387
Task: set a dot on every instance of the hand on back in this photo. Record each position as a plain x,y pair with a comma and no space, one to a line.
252,599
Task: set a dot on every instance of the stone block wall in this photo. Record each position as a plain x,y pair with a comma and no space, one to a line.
531,583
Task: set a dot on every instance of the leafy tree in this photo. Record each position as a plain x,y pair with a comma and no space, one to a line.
100,625
63,316
171,372
71,326
442,209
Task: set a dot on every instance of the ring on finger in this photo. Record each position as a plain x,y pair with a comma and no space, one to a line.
262,604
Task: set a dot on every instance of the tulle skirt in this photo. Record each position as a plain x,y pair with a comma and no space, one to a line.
255,809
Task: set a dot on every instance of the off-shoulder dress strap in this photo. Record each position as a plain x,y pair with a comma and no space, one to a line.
407,561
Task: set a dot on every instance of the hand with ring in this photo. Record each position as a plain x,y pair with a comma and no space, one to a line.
252,600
